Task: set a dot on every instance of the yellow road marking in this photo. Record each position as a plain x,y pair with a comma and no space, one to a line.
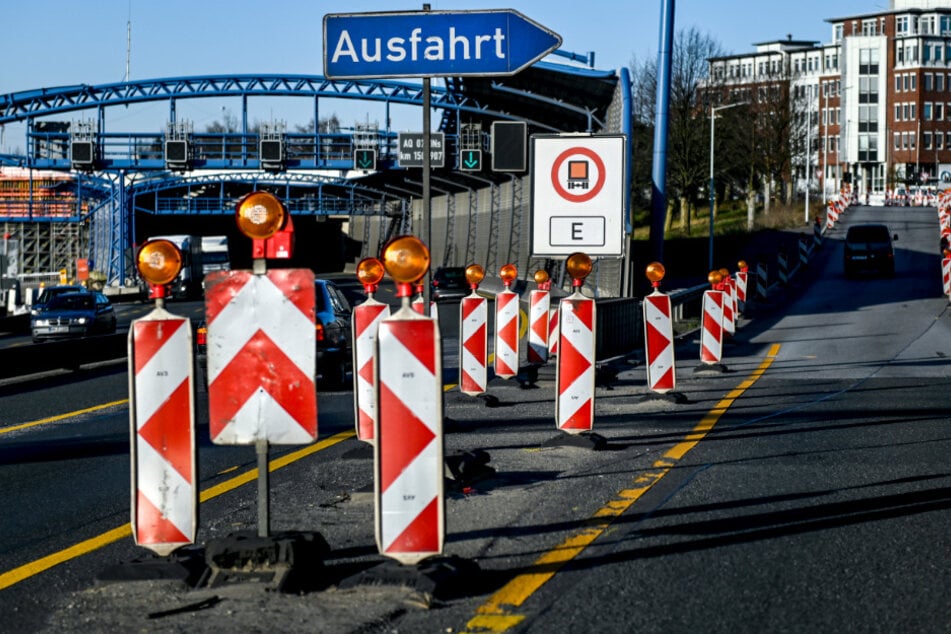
498,614
26,571
51,419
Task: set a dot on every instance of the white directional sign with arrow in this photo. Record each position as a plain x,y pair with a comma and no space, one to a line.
433,44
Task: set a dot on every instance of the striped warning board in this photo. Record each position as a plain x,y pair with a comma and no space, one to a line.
574,376
162,417
506,334
711,335
365,322
741,283
473,353
553,332
659,338
410,496
539,303
261,357
946,275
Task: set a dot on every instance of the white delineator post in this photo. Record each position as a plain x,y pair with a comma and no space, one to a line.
506,327
574,370
409,491
366,320
659,342
162,418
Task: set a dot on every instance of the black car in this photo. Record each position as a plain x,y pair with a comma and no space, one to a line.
868,247
450,283
50,292
73,315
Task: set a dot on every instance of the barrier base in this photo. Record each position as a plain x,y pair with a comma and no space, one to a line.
272,560
187,566
468,467
673,397
436,577
711,368
585,440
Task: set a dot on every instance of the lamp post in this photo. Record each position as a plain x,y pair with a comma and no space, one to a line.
713,112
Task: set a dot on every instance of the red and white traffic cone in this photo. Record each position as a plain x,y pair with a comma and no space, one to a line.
506,326
539,302
162,417
474,337
410,496
366,320
574,376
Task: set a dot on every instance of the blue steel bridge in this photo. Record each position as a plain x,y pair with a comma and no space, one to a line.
113,189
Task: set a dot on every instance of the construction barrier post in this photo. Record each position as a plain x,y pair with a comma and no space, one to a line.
506,326
473,336
365,323
659,335
711,334
574,376
408,454
539,302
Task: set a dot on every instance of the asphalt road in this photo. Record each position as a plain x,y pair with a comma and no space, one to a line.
807,489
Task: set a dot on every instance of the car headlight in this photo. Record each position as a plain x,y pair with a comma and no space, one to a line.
41,322
80,320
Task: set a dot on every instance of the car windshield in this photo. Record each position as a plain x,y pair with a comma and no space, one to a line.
72,301
50,293
868,235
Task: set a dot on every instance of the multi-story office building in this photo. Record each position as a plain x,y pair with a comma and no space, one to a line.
877,97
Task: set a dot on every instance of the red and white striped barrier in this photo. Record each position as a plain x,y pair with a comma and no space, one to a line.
162,417
539,304
711,337
261,357
410,496
474,338
418,306
553,332
659,342
506,334
365,322
741,284
574,377
946,275
729,306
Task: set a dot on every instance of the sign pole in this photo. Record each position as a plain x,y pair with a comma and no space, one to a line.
264,500
427,166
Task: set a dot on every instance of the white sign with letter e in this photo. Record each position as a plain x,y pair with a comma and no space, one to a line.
578,194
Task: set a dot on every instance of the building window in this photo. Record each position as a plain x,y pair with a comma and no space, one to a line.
869,27
914,81
904,140
939,141
901,25
938,111
899,52
911,141
897,141
837,33
927,140
897,112
905,82
927,111
929,82
939,82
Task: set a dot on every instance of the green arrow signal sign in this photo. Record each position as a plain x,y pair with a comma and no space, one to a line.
470,161
364,159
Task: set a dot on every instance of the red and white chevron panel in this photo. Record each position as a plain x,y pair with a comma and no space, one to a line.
574,376
506,334
433,308
729,303
365,322
162,416
553,331
946,275
474,337
741,283
261,357
410,496
711,334
659,338
539,303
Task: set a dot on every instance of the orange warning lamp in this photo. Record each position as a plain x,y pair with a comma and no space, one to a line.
715,277
724,274
370,271
406,259
579,267
541,276
260,215
159,261
508,273
742,265
655,273
474,275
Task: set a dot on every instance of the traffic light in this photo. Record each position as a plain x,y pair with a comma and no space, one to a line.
364,159
470,160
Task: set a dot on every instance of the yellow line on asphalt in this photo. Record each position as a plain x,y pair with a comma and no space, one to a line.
498,614
52,419
26,571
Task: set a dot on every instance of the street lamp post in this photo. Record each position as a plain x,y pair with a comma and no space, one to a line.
713,112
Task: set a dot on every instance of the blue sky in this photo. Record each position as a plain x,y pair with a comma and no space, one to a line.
49,43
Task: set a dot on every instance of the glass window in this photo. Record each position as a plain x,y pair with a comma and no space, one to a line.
897,112
939,82
901,25
939,141
938,111
914,81
929,82
897,141
927,140
927,111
